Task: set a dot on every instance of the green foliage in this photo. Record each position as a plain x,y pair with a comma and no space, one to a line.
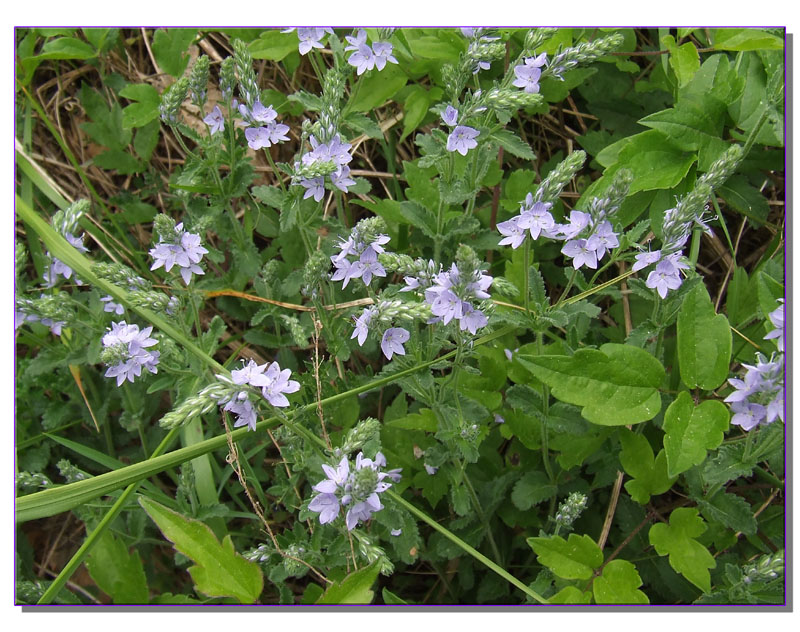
691,431
619,583
117,572
615,385
704,342
574,558
649,472
678,539
218,570
355,588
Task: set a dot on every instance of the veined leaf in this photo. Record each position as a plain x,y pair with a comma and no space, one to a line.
355,588
575,558
692,431
219,571
619,583
686,555
704,342
616,385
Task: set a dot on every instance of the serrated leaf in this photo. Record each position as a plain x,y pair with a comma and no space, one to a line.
727,464
649,473
363,124
119,160
513,144
704,341
117,572
532,489
67,48
691,432
730,510
218,570
146,108
575,558
270,195
619,583
686,555
616,385
355,588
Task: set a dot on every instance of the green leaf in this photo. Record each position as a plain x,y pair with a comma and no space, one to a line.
374,89
694,124
355,588
730,510
686,555
745,198
117,572
571,595
145,110
745,39
684,59
67,48
270,195
649,473
619,583
513,144
575,558
617,384
415,109
769,291
691,432
146,140
272,44
363,124
219,571
390,599
532,489
654,161
169,49
704,341
120,160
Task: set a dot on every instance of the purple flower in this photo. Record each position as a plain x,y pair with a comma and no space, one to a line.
258,137
748,415
310,38
527,78
537,219
252,373
186,254
644,259
582,253
578,220
667,275
244,411
363,59
776,317
393,340
760,396
326,505
58,267
371,268
462,139
472,319
215,120
315,187
396,532
514,234
112,307
383,54
356,42
278,383
450,116
430,469
341,179
446,306
263,114
362,325
606,238
498,419
128,346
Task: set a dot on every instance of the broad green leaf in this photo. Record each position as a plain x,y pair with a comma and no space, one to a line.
655,162
745,39
686,555
146,140
117,572
619,583
649,473
415,109
704,342
571,594
119,160
272,44
169,49
146,108
101,39
575,558
532,489
390,599
717,78
694,124
748,110
219,571
730,510
616,385
426,44
375,88
769,291
692,431
355,588
67,48
106,125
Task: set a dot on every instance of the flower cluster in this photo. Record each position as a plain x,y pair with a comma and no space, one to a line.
358,256
482,49
451,296
125,350
462,138
310,38
262,129
384,312
759,397
528,73
273,383
335,156
181,248
365,58
356,490
534,217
